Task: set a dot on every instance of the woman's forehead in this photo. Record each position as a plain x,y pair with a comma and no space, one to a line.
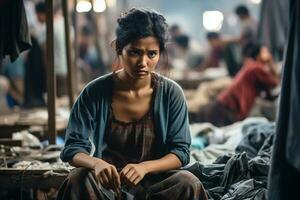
145,43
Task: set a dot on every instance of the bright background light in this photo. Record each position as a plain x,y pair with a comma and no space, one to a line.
111,3
83,6
255,1
99,5
213,20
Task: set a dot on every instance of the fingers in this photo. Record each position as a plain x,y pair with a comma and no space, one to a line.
116,176
109,177
130,175
125,170
124,173
137,180
104,181
133,178
108,173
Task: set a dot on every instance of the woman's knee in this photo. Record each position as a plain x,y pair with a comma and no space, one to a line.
188,179
77,175
191,186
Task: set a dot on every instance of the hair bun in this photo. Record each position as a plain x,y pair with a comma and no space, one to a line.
139,23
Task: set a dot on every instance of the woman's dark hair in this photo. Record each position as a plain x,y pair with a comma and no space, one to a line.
140,23
251,50
182,41
242,10
40,7
212,35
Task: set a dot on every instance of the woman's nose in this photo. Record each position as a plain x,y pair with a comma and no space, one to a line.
143,62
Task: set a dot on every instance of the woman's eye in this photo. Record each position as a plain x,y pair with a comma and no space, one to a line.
152,54
134,53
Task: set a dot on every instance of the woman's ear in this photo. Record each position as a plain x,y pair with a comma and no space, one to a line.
116,65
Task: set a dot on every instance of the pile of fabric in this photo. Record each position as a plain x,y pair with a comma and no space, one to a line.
241,174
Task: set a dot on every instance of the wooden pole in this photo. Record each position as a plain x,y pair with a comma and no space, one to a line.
51,79
76,54
68,52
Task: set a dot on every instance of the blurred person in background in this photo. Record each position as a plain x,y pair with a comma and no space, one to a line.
215,54
59,43
257,75
248,26
4,88
14,72
185,57
90,63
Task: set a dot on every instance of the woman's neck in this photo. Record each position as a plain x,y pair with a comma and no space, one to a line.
129,83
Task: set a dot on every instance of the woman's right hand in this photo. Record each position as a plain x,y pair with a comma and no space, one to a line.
107,175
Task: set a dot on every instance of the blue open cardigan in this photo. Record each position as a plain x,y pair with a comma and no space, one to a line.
89,115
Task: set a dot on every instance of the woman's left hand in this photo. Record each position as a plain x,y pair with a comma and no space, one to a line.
132,174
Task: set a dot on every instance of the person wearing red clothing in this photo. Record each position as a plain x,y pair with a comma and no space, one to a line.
235,102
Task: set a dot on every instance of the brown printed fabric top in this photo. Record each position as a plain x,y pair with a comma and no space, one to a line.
131,142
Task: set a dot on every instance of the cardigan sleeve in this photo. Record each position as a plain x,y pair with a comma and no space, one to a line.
80,127
178,132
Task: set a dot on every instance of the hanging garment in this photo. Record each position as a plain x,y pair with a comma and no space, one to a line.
272,29
34,77
14,33
285,169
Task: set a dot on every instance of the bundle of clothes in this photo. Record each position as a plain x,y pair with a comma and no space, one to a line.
241,174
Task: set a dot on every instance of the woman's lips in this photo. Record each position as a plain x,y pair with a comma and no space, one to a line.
141,72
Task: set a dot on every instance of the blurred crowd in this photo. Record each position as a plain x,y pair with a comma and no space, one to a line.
249,65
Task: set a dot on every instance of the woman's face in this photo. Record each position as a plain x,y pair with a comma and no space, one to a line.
139,58
264,54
